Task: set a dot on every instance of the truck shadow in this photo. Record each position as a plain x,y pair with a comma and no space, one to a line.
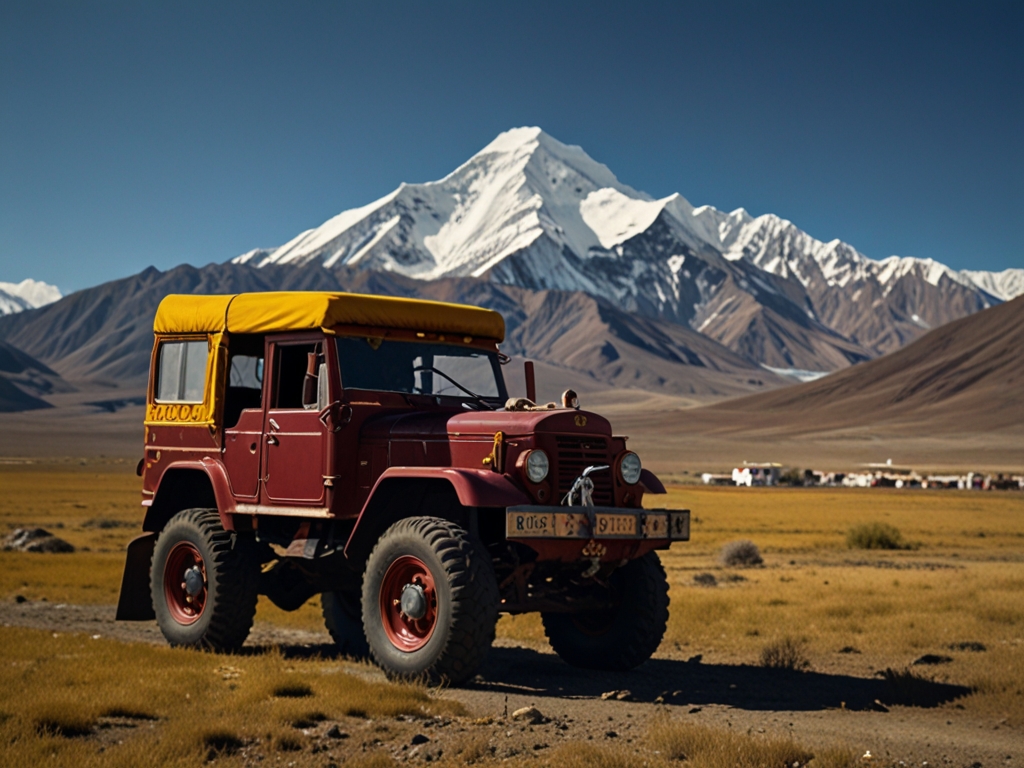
681,683
523,671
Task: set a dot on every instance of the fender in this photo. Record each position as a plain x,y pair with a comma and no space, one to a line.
158,514
650,482
474,488
135,603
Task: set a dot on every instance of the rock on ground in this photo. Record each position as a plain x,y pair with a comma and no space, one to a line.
35,540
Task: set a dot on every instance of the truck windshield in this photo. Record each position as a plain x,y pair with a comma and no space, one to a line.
420,368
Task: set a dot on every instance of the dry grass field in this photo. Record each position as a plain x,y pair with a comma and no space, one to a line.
161,706
961,584
815,604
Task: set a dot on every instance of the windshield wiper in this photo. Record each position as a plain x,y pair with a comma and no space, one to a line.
479,398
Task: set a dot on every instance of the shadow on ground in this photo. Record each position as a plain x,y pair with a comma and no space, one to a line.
682,683
521,670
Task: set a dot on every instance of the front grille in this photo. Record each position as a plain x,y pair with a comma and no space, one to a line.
576,454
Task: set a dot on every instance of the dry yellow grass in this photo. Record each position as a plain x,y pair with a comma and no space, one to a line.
702,747
161,706
95,703
963,583
70,501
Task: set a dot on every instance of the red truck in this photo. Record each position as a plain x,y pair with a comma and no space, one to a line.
366,449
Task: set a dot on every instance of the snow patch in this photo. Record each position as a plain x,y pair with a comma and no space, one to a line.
796,373
615,218
1005,285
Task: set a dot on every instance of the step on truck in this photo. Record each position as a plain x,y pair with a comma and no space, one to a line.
366,449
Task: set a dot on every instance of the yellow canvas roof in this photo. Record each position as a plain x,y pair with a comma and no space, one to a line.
276,311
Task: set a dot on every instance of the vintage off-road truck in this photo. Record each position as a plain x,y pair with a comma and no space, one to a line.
366,449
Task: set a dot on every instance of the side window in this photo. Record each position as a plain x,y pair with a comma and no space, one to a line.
181,372
246,372
296,373
245,387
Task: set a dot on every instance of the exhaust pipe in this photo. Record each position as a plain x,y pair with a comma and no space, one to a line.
531,381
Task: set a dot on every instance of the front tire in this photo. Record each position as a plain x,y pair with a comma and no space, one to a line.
621,638
430,601
203,583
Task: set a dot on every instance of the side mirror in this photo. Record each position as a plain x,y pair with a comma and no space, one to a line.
322,395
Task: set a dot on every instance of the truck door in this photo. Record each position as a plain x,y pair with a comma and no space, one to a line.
243,416
294,438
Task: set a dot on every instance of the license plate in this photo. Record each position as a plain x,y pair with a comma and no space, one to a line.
679,525
609,523
616,525
573,525
561,524
531,524
656,525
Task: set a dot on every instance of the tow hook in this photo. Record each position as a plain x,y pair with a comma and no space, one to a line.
583,487
593,551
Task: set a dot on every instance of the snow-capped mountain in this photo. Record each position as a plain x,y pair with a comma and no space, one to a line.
530,211
28,294
1005,285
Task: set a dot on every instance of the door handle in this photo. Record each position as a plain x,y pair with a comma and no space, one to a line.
271,440
274,425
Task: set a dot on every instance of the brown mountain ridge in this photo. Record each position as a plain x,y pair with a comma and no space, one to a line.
967,375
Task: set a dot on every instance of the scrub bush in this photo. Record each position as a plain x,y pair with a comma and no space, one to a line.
743,553
786,653
875,536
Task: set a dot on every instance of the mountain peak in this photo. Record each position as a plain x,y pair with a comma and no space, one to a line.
516,138
528,210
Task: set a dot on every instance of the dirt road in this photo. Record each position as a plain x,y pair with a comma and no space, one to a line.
817,708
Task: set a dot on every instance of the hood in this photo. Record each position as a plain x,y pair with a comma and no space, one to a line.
420,425
528,422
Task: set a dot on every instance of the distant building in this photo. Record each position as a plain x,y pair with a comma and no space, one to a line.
757,473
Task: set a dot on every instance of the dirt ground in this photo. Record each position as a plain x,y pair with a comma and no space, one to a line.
841,705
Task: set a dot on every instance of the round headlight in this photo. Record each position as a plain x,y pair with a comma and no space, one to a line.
629,467
537,466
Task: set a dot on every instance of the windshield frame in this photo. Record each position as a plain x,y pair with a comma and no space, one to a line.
482,347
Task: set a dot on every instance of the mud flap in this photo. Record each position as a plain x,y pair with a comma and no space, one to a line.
136,601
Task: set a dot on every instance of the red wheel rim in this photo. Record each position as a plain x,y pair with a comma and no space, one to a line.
185,608
406,633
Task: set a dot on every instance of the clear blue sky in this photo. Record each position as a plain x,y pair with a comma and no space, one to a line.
138,133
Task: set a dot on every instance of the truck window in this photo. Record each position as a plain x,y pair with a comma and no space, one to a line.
246,372
291,370
422,368
245,387
181,372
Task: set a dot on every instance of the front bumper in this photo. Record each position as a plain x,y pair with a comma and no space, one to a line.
529,522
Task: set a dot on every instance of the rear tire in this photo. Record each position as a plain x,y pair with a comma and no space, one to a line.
343,617
448,576
624,637
203,581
